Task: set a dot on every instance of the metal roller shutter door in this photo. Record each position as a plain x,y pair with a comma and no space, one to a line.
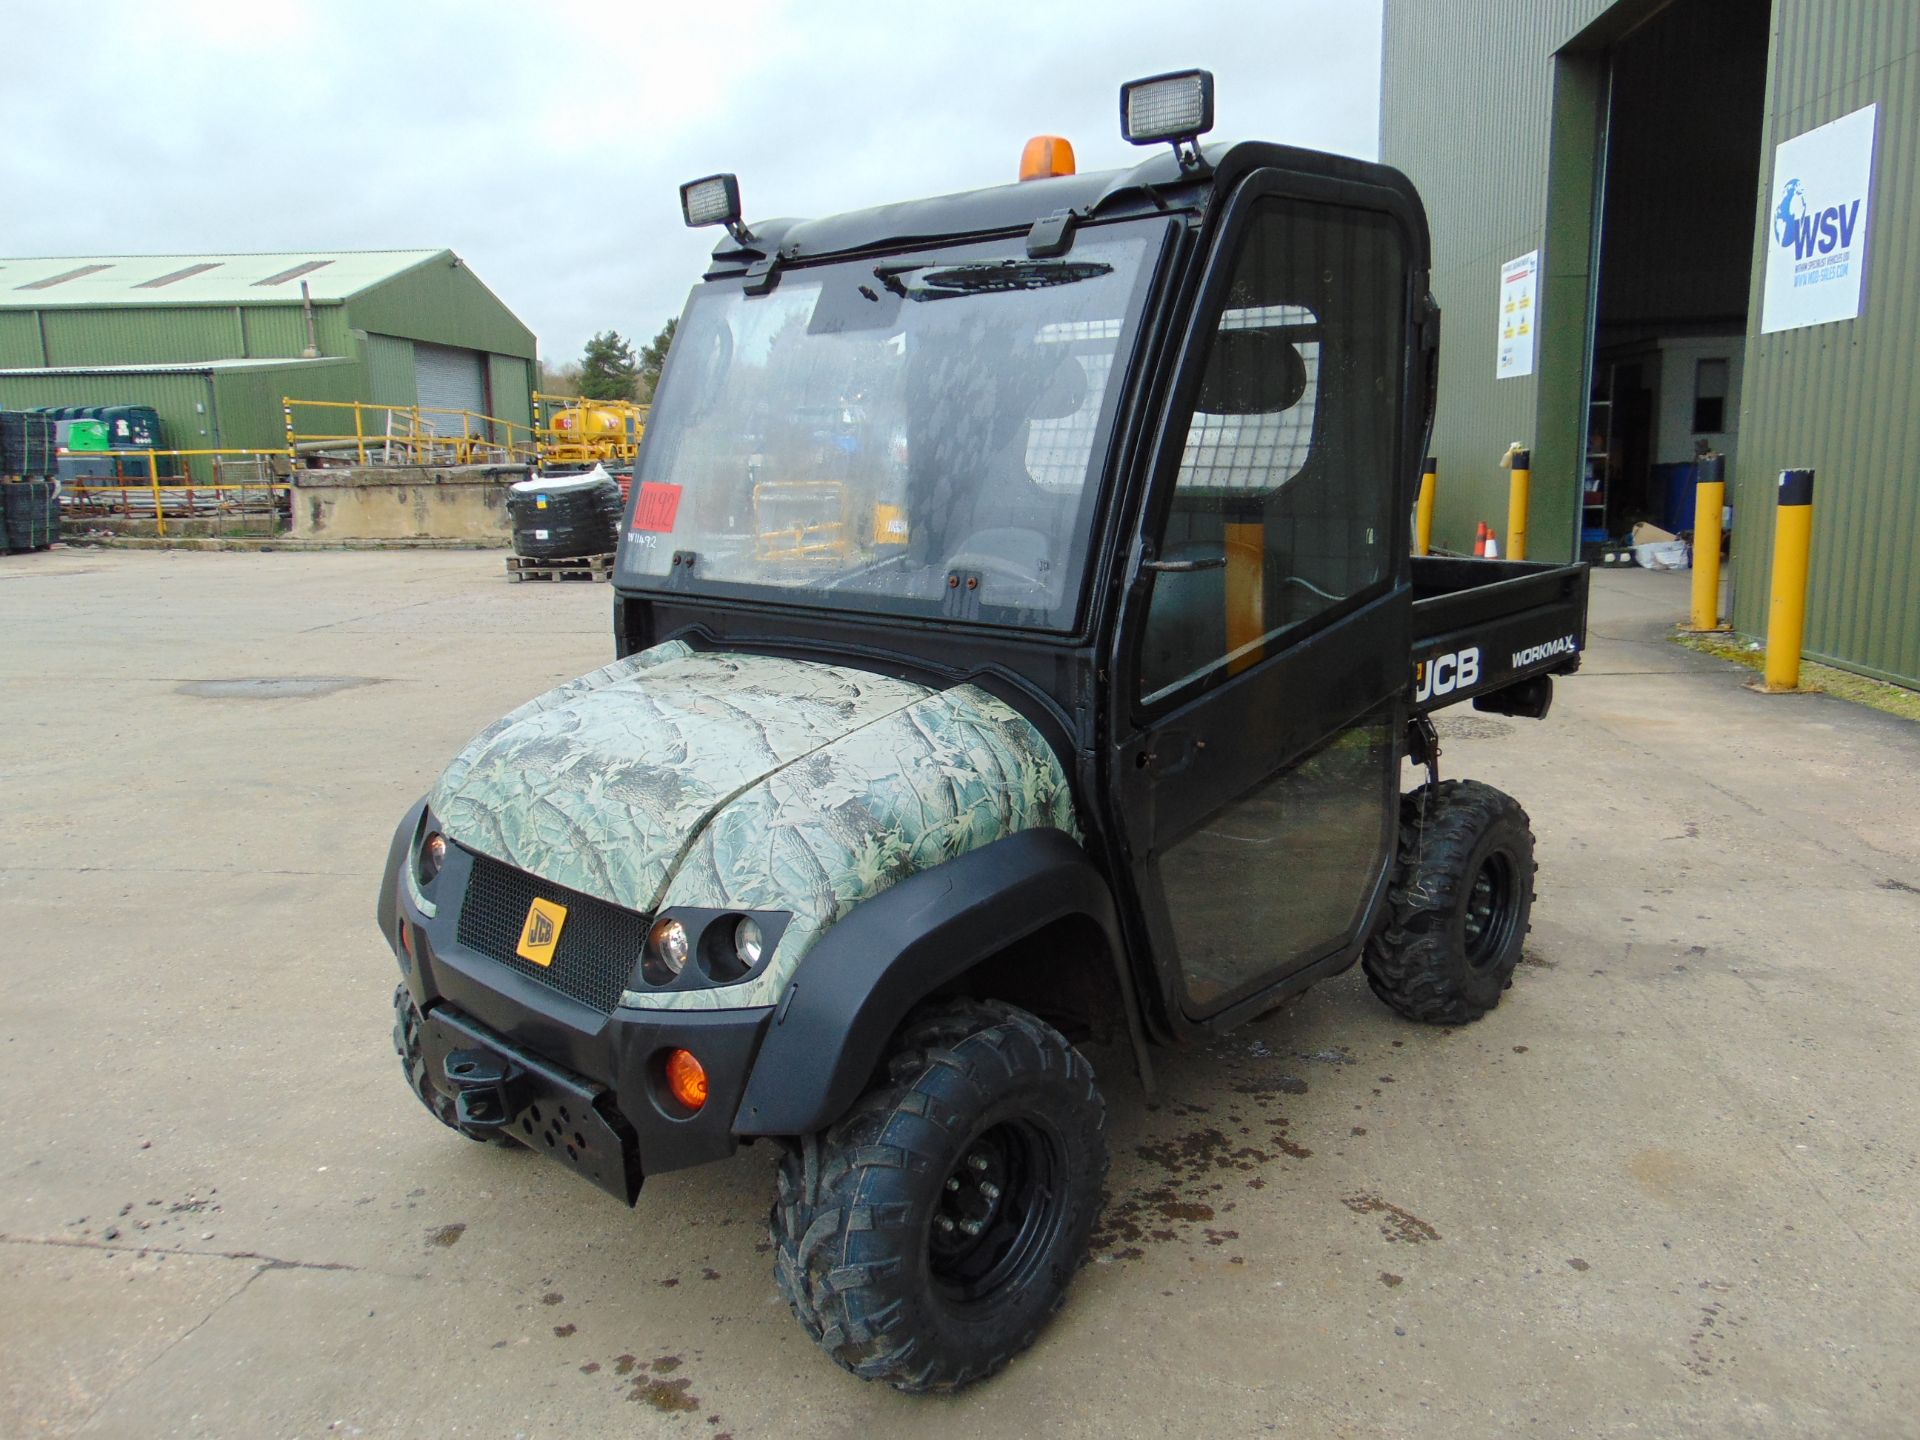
449,379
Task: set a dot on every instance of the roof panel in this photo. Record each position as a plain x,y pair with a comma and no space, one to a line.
198,279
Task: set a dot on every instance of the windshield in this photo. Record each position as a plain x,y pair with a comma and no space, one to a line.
911,435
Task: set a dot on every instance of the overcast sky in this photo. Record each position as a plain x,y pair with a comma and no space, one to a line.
546,146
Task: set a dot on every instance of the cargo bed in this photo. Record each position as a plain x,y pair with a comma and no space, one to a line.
1484,626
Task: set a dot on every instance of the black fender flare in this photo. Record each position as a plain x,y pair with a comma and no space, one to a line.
855,987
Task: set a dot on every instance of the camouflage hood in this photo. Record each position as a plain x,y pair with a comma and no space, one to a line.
601,784
682,778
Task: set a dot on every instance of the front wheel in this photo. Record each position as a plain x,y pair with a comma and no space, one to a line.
1460,905
927,1237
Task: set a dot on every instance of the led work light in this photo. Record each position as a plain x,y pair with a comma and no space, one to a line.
714,200
1167,109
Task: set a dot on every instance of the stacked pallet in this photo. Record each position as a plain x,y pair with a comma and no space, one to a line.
32,513
27,444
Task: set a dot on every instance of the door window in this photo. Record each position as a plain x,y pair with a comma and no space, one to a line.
1278,878
1283,501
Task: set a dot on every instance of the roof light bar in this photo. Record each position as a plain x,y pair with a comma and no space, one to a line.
1171,109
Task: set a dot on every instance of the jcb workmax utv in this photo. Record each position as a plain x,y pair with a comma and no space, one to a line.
1018,644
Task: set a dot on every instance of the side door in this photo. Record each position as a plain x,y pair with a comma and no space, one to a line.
1261,659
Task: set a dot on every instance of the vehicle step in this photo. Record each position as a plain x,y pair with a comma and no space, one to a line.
563,567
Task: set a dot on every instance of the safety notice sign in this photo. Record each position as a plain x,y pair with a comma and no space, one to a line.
1519,315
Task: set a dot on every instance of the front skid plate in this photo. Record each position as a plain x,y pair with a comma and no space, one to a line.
501,1088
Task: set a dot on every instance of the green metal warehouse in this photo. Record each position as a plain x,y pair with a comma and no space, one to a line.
1706,215
213,342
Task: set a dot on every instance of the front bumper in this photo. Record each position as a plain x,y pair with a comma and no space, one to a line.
523,1061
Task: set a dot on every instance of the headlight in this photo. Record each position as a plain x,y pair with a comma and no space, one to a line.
667,942
748,943
433,854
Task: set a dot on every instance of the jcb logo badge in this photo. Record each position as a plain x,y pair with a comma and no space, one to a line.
1444,674
541,932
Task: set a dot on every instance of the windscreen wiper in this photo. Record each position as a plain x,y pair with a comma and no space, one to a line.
985,277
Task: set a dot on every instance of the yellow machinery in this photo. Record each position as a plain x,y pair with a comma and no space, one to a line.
576,431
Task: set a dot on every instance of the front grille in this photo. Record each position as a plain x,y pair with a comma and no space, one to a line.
599,943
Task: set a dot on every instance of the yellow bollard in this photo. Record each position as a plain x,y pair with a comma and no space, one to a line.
1709,499
1423,508
1519,496
153,479
1787,609
286,412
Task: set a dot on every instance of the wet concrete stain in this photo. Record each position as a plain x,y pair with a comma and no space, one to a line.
670,1396
1280,1084
1709,1336
1398,1226
1389,1279
563,1331
1578,1264
552,1297
274,687
1901,886
447,1236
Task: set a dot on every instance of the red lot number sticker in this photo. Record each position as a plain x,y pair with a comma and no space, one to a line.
657,506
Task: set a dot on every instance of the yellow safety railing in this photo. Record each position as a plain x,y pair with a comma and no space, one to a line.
573,430
403,434
137,477
801,520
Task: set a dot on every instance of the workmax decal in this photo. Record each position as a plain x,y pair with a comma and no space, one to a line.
1533,654
1445,674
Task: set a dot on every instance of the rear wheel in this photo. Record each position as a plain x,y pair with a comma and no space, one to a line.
1460,906
926,1238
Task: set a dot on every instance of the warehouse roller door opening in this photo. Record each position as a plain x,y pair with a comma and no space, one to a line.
1679,186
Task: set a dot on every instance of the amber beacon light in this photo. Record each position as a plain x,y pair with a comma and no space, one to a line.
1046,156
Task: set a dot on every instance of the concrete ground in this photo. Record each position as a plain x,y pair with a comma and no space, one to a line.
1667,1188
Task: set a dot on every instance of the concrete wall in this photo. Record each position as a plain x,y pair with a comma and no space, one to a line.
406,503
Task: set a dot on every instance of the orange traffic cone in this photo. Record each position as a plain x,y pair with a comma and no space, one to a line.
1480,541
1493,545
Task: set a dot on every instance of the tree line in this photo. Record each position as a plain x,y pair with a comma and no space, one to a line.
611,369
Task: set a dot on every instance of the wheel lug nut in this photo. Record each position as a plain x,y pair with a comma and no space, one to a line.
972,1227
953,1182
977,1161
945,1222
990,1190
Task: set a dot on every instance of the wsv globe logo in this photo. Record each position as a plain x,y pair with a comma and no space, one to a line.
1822,237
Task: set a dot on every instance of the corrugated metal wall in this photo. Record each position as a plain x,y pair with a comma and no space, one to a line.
510,383
442,303
174,395
164,335
1844,398
1468,99
389,370
1466,95
250,400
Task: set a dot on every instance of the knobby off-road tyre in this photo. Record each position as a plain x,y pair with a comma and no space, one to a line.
927,1237
406,1040
1460,905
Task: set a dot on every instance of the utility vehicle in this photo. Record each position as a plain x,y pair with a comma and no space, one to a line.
1018,645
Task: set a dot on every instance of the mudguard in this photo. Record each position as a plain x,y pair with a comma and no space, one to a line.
857,985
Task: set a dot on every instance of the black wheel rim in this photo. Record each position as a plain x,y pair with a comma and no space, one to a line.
1489,917
999,1210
